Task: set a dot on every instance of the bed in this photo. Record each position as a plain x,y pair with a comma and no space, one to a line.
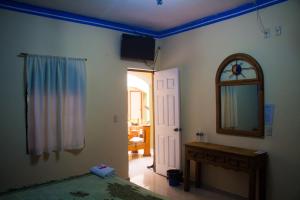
85,187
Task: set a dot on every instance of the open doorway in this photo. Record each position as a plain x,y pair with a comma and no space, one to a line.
140,122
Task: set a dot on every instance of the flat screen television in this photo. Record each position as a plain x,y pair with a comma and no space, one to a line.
137,47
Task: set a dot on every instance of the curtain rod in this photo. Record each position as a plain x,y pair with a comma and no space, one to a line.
26,54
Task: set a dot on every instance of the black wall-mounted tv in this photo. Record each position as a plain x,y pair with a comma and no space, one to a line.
137,47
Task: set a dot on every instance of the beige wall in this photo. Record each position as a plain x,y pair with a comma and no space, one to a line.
106,141
199,52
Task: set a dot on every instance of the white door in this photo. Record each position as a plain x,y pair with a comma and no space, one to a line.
167,124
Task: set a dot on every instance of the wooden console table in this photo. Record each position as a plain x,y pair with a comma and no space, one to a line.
239,159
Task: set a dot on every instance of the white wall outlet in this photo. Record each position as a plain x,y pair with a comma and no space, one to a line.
278,30
267,33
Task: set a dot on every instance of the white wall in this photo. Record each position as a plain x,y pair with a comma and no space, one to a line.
106,142
199,52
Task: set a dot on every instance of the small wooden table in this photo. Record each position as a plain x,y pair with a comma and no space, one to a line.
239,159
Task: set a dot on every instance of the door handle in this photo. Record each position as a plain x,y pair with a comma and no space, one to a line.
177,129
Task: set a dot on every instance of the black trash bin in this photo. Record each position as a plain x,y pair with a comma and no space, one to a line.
174,176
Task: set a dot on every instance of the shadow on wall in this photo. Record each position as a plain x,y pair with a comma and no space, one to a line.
34,159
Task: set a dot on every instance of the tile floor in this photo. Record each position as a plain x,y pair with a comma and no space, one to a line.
140,175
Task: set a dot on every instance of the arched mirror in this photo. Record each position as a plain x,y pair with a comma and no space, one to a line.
240,96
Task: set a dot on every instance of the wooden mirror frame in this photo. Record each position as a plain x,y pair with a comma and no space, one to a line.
257,81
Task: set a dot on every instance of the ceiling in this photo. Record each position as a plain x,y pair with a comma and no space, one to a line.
144,15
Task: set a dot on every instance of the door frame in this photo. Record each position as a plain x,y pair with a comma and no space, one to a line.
152,109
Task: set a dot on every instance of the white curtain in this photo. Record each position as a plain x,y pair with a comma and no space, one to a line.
229,107
56,90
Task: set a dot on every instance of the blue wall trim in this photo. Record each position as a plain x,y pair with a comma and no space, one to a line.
35,10
246,8
66,16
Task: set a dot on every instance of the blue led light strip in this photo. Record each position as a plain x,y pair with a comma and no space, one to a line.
35,10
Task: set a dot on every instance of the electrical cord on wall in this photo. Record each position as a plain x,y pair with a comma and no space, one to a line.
261,26
155,59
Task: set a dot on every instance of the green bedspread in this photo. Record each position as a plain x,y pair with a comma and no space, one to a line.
85,187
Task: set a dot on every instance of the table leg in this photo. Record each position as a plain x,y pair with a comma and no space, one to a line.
262,183
198,174
187,175
146,130
252,184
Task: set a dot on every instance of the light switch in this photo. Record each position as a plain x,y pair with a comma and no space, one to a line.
115,119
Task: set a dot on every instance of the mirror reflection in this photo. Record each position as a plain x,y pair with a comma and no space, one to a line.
239,107
238,70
